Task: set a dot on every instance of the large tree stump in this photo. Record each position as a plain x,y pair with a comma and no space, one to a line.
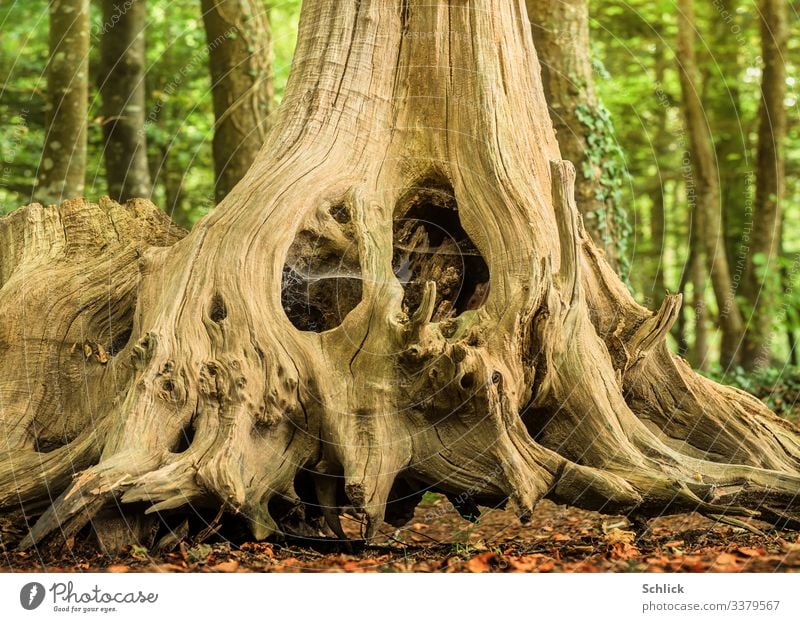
304,349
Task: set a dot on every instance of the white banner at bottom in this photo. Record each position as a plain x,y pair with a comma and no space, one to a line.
406,597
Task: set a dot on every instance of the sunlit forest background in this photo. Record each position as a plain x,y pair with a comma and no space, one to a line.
636,72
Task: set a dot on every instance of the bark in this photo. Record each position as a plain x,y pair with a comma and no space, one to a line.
122,86
62,170
240,59
311,348
585,136
698,275
762,282
722,97
658,213
703,188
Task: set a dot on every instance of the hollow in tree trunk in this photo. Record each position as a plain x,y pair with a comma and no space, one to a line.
399,296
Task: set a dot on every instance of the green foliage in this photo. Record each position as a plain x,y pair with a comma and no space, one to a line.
777,387
636,42
179,114
636,79
604,154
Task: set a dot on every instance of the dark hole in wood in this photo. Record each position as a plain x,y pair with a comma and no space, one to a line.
430,244
119,340
185,438
340,213
218,311
467,381
318,303
44,445
322,279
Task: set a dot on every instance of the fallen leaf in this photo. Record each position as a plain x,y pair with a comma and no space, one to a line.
726,559
118,568
623,550
199,553
618,522
229,566
483,562
618,536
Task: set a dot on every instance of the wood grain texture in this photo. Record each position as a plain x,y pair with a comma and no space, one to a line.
556,385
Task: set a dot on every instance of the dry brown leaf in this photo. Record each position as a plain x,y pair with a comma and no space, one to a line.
726,559
229,566
118,568
482,562
618,536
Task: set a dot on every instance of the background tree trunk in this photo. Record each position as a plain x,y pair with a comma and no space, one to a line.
398,297
703,188
240,51
583,128
122,87
658,190
762,284
722,72
62,170
698,276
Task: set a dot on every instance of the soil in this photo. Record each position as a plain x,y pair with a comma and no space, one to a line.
558,539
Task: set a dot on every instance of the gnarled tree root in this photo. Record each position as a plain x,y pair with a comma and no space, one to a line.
395,369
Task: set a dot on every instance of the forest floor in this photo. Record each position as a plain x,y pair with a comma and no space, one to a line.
558,539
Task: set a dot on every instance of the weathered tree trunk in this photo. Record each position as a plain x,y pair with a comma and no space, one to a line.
62,170
703,188
122,87
762,281
583,129
399,296
240,59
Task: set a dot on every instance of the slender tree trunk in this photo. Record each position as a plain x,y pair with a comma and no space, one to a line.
122,86
658,231
722,99
583,128
658,213
704,188
762,285
398,297
698,276
62,170
240,59
679,330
